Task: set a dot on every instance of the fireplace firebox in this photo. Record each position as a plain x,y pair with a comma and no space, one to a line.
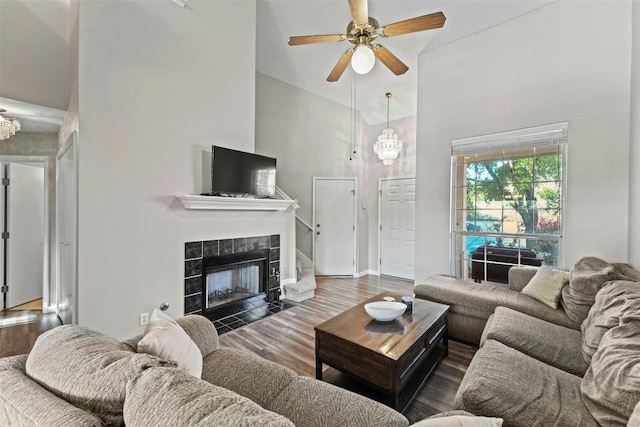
227,279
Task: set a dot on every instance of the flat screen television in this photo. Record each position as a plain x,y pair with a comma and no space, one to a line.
236,173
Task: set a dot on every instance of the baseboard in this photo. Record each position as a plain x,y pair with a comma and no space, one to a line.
368,272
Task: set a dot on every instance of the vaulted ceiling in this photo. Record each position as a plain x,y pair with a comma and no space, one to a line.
307,66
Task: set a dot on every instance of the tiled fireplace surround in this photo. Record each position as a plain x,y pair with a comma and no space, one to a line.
241,313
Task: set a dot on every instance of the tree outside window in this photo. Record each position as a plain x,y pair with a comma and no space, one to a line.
516,192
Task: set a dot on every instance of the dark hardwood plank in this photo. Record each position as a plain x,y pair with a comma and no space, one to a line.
19,329
288,338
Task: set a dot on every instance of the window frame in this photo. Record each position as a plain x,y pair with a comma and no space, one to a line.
506,142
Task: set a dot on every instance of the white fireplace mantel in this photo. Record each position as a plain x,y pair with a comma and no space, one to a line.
193,201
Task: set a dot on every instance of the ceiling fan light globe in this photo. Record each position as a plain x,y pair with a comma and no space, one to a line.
363,59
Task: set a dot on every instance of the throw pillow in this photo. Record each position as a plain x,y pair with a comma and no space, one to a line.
87,369
459,421
546,286
171,397
165,339
611,386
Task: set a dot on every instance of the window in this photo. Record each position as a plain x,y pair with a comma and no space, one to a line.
507,201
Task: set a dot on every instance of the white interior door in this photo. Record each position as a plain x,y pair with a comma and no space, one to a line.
25,224
66,233
397,227
334,223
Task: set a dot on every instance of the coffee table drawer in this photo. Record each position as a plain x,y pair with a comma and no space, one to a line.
419,352
358,361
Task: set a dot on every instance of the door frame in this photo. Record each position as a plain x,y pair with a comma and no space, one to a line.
355,217
70,144
379,229
44,160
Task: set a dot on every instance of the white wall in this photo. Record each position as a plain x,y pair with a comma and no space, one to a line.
558,63
309,135
158,85
403,166
33,48
634,176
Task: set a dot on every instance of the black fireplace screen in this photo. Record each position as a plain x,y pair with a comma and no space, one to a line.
231,278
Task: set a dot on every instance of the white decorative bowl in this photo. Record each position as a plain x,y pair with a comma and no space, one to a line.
385,311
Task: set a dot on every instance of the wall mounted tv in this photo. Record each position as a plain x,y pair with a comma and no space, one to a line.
239,174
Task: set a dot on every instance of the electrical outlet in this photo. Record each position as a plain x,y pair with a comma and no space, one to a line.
144,319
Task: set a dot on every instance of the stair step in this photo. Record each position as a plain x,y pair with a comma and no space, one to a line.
303,289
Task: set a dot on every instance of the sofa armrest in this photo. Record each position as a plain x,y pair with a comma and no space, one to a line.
520,276
201,331
313,403
23,402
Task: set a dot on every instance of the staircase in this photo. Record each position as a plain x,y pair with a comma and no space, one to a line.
305,286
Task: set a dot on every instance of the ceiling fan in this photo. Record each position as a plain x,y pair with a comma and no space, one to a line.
362,31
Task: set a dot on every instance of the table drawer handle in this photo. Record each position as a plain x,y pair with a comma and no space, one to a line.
436,336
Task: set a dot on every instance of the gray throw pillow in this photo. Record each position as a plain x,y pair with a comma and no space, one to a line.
87,369
546,286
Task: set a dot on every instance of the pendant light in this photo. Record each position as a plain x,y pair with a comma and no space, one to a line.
387,147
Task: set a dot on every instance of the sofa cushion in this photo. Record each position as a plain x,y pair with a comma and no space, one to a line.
22,402
164,338
503,382
237,371
481,299
634,419
459,421
612,301
171,397
86,368
611,385
552,344
546,286
201,331
312,403
13,362
586,277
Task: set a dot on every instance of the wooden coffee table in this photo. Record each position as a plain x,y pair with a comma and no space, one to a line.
395,357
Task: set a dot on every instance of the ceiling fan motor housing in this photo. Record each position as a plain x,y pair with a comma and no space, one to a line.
362,34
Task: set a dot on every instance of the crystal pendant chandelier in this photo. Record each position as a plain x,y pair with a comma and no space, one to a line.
8,126
387,147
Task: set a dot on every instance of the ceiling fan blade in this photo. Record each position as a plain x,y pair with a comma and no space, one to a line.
420,23
359,11
389,59
342,64
325,38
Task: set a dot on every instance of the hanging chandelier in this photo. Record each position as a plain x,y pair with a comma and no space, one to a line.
8,126
387,147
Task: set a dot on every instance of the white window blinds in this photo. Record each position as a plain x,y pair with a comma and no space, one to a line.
552,134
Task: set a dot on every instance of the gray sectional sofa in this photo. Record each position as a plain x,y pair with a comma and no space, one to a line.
75,376
575,365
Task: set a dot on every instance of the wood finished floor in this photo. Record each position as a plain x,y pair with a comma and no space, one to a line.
288,338
19,329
